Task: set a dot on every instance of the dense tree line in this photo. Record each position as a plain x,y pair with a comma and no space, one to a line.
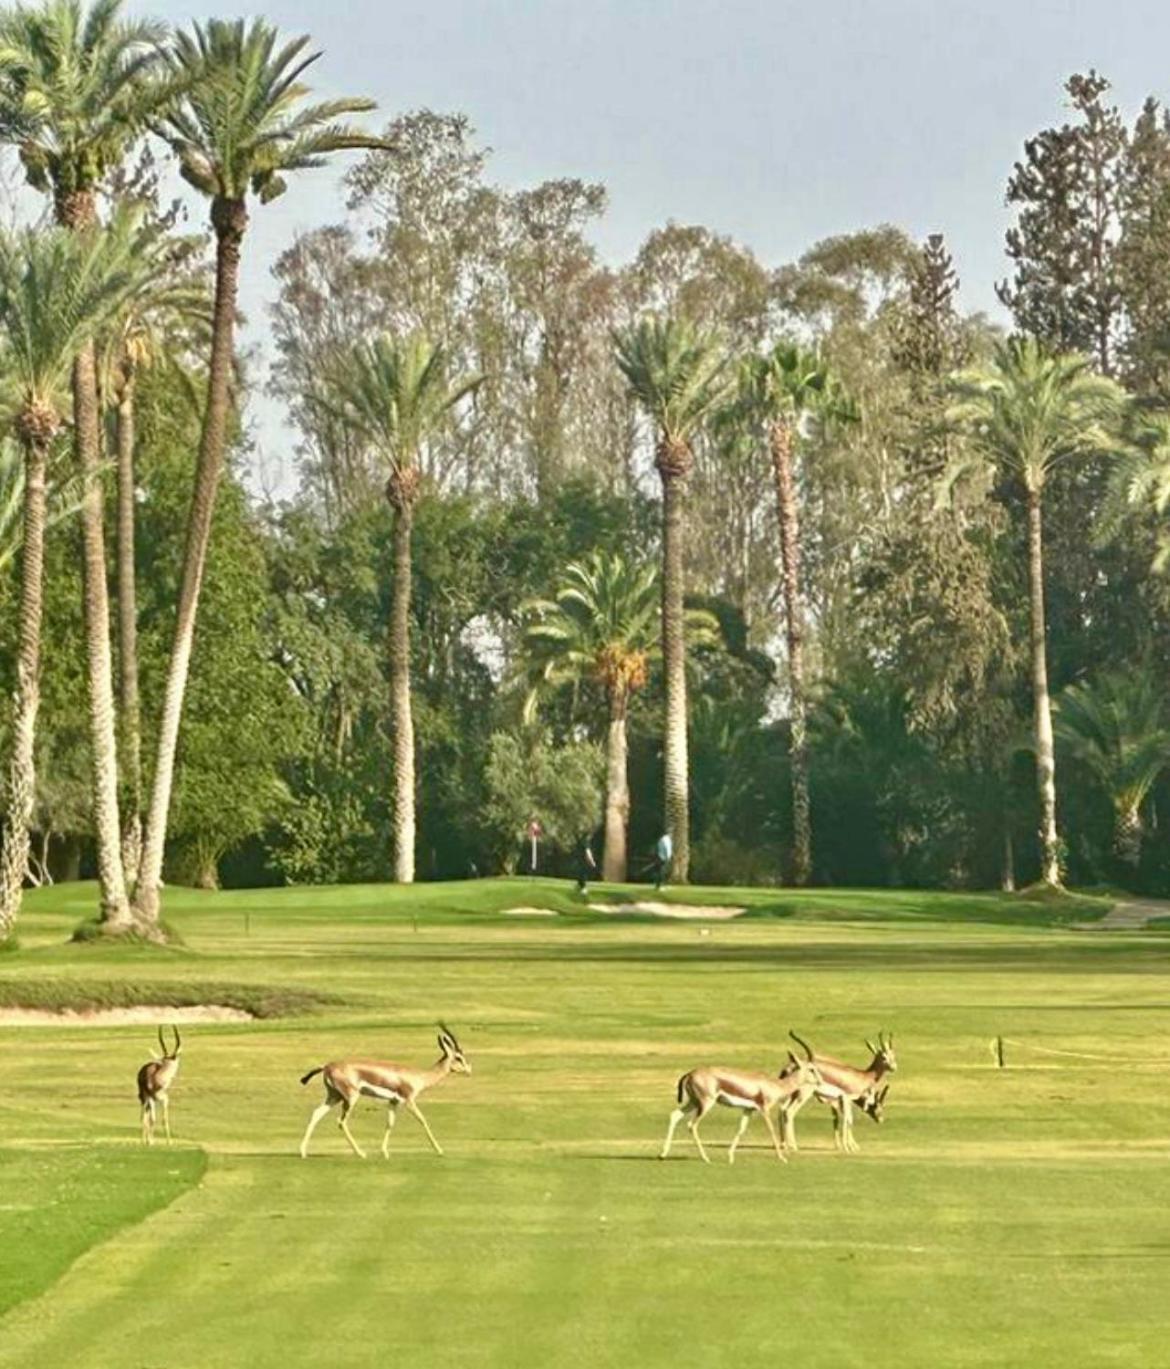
797,561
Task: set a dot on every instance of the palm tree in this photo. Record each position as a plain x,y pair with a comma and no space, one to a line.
779,390
1116,725
56,290
394,394
1027,413
167,298
241,123
678,374
599,626
75,92
1139,482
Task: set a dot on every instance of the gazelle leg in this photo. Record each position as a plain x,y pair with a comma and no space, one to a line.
343,1123
413,1108
675,1118
788,1113
743,1124
771,1125
845,1130
693,1127
166,1112
391,1114
321,1110
148,1122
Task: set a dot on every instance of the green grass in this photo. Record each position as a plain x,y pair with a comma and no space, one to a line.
1009,1217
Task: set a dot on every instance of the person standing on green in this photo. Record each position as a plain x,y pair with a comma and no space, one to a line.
665,852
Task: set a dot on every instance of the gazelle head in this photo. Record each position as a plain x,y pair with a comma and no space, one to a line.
804,1071
883,1054
173,1053
452,1052
874,1105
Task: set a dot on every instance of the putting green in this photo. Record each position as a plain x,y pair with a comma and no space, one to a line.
1010,1217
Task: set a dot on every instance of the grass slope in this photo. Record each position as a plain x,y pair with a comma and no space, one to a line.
997,1218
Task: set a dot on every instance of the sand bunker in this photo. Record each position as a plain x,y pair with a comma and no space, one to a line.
686,912
142,1014
529,912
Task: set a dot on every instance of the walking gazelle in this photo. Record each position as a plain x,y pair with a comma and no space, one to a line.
844,1086
154,1080
348,1080
699,1090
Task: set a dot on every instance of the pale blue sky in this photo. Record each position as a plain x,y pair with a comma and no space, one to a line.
778,123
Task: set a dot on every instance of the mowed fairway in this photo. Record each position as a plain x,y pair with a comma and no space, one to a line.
1016,1217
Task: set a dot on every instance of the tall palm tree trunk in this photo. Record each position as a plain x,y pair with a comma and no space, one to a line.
131,739
1045,750
1127,836
22,770
230,220
401,491
673,465
115,906
789,517
617,791
79,213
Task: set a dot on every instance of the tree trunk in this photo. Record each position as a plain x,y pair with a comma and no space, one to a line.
22,765
789,517
1127,837
1007,878
115,907
403,720
77,211
617,792
131,738
230,220
1045,751
676,765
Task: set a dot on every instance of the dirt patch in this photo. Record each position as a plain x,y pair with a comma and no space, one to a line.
1128,916
143,1014
529,912
684,912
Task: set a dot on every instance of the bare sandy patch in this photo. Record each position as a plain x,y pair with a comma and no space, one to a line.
529,912
682,912
142,1014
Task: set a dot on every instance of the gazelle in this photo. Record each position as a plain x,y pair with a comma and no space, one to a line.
843,1086
154,1081
699,1090
348,1080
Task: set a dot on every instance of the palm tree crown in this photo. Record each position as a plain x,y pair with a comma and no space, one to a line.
1031,410
394,393
1116,725
57,289
678,373
240,123
76,89
602,625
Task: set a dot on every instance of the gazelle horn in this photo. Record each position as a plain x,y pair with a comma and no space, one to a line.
162,1045
178,1040
873,1050
808,1050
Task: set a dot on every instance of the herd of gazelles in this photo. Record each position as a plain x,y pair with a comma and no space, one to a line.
843,1087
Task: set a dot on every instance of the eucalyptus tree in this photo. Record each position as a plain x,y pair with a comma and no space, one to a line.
57,289
395,394
77,87
600,627
241,124
1025,415
679,375
1116,725
779,390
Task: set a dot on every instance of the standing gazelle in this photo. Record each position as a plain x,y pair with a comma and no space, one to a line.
699,1090
347,1080
844,1085
154,1080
